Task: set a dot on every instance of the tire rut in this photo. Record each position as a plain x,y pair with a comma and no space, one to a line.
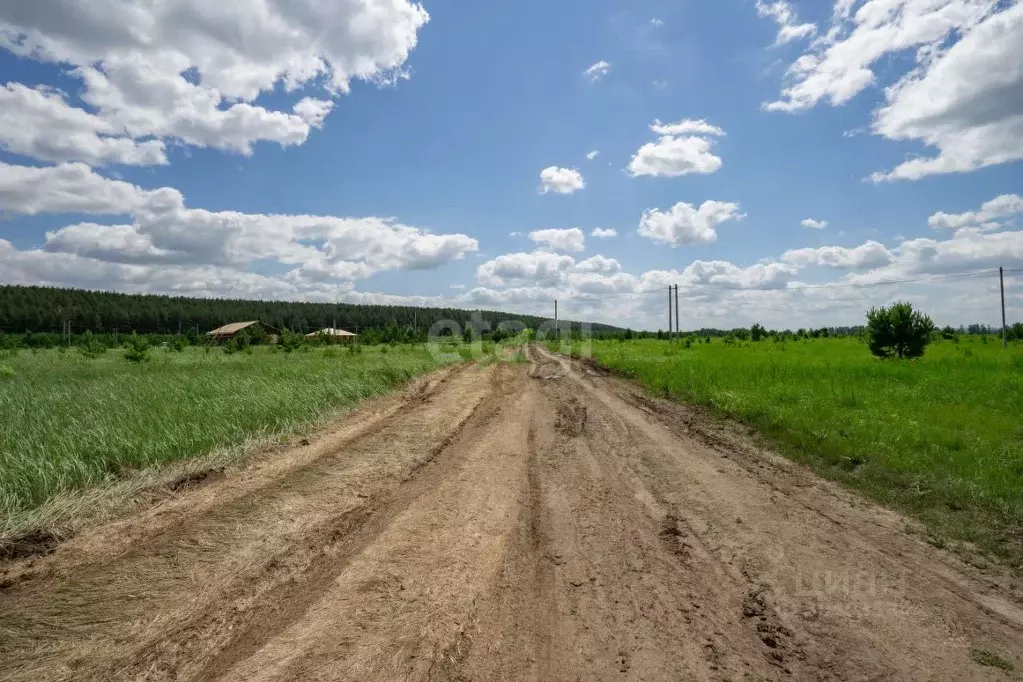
829,583
204,576
341,543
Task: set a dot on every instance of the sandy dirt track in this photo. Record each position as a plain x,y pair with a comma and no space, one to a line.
538,521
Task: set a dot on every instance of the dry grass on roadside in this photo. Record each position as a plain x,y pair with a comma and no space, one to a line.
80,437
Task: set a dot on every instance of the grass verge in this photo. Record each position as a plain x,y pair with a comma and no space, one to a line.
70,425
939,438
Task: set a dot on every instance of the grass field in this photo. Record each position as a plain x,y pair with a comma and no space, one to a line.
68,422
940,438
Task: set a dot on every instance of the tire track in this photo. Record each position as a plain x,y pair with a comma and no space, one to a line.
205,573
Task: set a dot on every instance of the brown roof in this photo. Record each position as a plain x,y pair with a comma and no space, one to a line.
329,331
229,329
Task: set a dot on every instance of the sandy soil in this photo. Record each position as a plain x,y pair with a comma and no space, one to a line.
515,521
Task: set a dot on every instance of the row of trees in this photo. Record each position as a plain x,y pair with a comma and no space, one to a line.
759,333
47,309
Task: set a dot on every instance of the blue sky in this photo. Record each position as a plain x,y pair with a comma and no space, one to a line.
412,173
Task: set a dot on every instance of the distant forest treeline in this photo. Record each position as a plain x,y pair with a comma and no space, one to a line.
44,309
37,317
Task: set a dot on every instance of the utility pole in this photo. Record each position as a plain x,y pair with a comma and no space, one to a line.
1001,283
678,327
669,314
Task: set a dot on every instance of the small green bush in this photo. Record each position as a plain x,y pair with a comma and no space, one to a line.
92,348
290,341
898,331
137,349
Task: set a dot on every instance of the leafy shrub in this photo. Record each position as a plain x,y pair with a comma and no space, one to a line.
290,341
178,344
92,348
6,372
137,348
898,331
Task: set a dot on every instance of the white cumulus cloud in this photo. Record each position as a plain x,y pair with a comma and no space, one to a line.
868,255
960,95
72,188
686,224
560,180
592,155
540,267
814,224
165,231
730,276
682,148
186,71
39,123
571,239
603,232
686,126
789,26
1002,206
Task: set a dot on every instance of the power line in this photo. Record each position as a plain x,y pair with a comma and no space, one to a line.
930,278
798,287
624,294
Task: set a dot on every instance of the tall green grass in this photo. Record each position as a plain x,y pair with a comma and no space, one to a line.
940,437
69,422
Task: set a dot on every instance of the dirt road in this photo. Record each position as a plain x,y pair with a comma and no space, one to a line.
515,521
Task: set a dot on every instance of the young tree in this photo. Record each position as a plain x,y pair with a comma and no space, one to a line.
137,348
757,332
898,330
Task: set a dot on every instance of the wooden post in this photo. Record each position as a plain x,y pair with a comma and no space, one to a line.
1001,283
669,314
557,330
678,327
